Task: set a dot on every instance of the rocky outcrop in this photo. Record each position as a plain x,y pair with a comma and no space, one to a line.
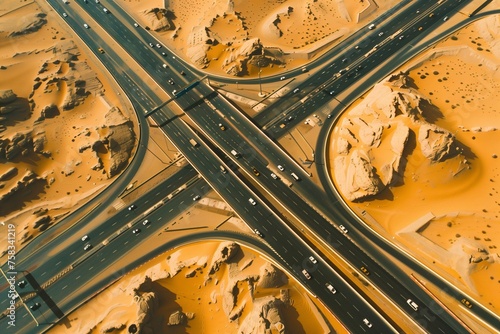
159,19
29,179
265,317
10,173
436,143
274,29
343,146
198,46
390,172
113,326
361,169
22,144
121,144
49,111
118,141
271,277
177,318
399,139
42,222
223,254
250,52
359,180
370,134
147,304
7,96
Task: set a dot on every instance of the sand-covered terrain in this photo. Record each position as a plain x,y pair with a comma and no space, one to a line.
214,287
418,158
63,135
239,38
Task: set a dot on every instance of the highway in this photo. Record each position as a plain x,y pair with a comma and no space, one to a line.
259,215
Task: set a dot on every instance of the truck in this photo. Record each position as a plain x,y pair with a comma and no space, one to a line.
193,142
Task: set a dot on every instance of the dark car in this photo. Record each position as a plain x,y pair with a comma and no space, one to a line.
35,306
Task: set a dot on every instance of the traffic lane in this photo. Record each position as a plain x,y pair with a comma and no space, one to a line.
50,269
55,263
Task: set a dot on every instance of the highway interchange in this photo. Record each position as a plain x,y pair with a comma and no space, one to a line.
259,152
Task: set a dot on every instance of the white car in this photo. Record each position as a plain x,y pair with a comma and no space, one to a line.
367,323
281,168
412,304
330,288
343,229
158,45
306,274
312,259
85,25
197,197
136,25
296,90
381,33
132,207
85,238
65,15
274,176
256,231
136,231
87,247
252,201
151,45
146,222
282,78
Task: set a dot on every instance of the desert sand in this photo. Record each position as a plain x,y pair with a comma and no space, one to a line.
209,287
417,159
240,38
64,134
